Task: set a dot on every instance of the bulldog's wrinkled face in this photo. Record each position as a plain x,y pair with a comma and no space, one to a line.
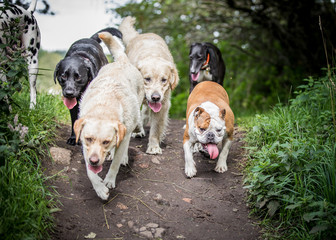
209,123
209,127
98,139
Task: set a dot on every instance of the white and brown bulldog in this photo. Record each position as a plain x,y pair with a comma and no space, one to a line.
209,121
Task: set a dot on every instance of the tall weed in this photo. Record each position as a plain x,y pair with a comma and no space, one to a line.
292,173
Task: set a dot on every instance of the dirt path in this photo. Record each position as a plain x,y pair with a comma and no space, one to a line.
153,197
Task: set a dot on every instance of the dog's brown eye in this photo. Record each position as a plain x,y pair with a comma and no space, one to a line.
218,130
147,79
202,129
106,142
77,77
89,140
164,80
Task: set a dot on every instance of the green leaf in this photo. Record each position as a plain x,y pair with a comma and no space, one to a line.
273,207
318,228
293,206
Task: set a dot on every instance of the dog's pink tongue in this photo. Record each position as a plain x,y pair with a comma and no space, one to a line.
70,102
194,77
156,107
96,169
212,150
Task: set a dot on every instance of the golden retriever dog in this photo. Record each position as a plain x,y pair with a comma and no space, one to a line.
150,54
109,113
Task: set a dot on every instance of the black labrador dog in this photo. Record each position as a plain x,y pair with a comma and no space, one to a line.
206,64
79,67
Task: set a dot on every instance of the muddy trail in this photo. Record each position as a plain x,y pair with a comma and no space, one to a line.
153,198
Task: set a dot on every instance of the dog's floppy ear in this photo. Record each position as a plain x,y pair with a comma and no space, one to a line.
78,126
56,71
198,111
92,70
121,133
174,77
222,113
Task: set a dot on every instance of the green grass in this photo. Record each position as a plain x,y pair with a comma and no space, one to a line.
291,177
26,201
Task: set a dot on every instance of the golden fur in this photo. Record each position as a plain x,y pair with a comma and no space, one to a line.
109,113
150,54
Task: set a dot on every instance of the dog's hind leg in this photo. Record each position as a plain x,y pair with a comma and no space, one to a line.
31,41
33,71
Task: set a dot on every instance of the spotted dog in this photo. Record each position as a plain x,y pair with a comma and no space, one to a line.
30,38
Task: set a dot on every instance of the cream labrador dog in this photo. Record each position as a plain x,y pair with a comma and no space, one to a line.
150,54
109,113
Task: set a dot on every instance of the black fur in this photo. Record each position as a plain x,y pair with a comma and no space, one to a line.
79,67
198,57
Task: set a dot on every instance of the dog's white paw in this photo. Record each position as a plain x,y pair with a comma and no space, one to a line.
197,147
138,134
190,171
154,150
102,191
125,161
221,168
109,182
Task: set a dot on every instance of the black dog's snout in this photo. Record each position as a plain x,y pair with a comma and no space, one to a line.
211,136
155,97
69,92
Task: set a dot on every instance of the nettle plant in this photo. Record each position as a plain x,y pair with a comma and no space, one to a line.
13,68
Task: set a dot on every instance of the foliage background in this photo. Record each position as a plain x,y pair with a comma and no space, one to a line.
268,46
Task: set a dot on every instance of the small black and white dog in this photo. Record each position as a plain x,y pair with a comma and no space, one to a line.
206,64
81,64
29,35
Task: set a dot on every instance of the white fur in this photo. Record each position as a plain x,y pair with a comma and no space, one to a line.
197,137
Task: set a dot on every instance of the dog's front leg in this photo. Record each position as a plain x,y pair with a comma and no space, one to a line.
159,122
190,165
119,157
221,163
74,115
97,184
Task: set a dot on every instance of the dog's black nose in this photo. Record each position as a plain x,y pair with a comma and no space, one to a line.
211,136
69,92
155,97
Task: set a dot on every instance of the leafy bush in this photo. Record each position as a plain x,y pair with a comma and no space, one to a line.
292,173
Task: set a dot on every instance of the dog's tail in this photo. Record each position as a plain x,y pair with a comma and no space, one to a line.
127,29
114,45
113,31
32,6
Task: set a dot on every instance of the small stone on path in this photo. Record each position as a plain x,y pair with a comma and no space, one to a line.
61,155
